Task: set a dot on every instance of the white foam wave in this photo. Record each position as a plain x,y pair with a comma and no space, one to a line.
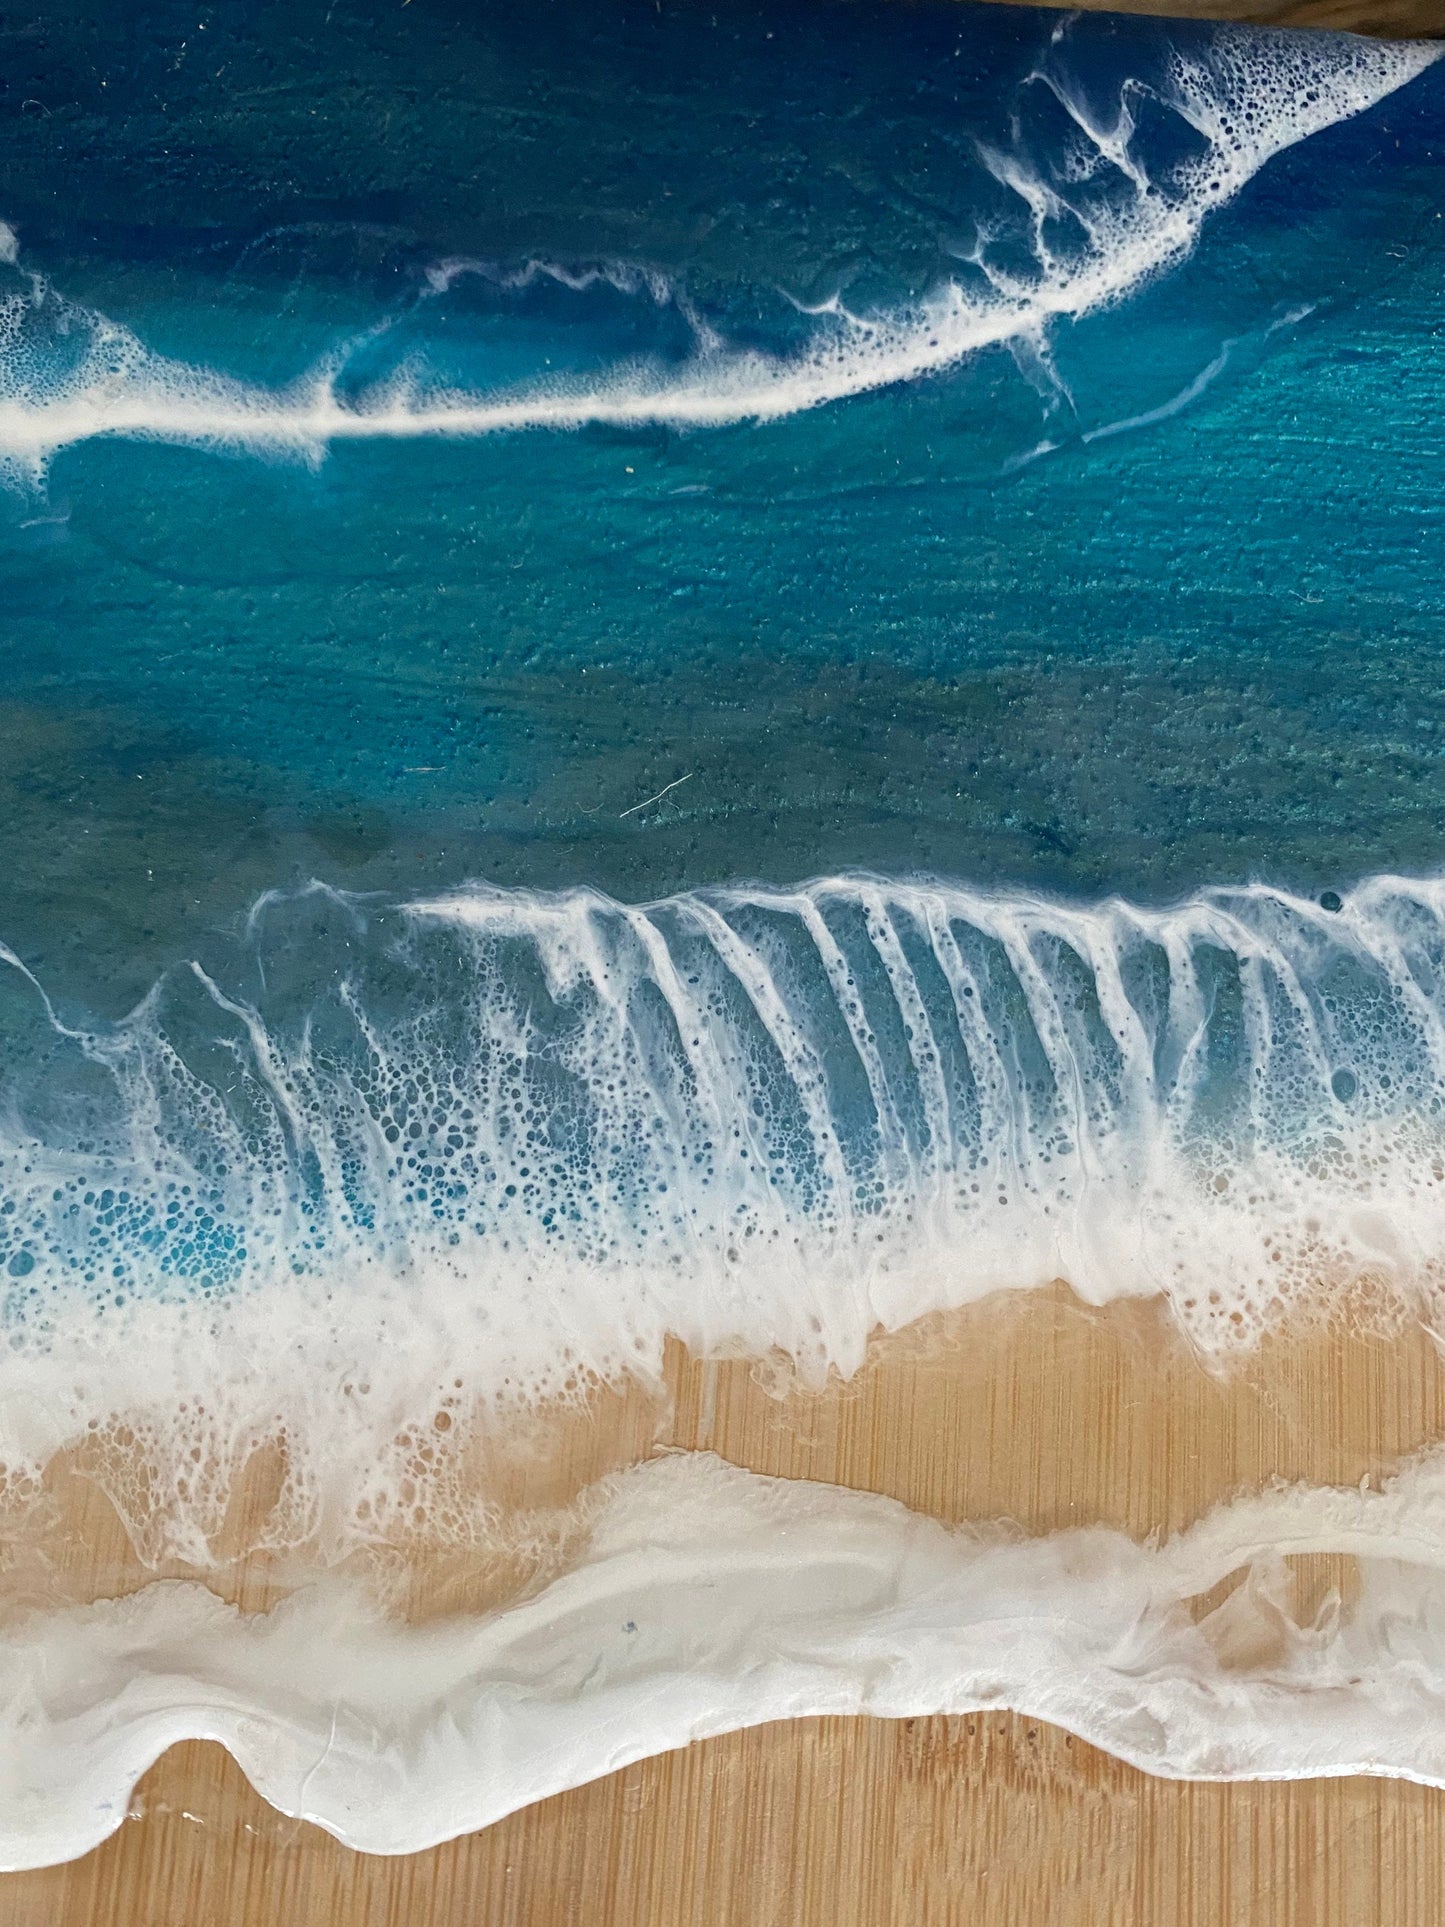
1097,224
709,1599
402,1160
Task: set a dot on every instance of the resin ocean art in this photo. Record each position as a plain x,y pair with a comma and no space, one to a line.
728,678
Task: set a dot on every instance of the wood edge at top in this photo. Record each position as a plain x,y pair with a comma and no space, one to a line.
1383,19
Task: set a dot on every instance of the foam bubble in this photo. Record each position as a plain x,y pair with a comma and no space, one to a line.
396,1159
1090,225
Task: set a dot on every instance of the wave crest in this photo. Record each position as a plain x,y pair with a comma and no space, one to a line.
477,1147
1081,222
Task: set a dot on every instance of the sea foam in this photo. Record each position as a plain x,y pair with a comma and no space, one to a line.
1090,223
709,1598
391,1160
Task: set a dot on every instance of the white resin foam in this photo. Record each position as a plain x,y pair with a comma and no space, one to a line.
68,374
426,1158
710,1599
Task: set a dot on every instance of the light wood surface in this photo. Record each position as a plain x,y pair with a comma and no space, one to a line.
1037,1409
822,1823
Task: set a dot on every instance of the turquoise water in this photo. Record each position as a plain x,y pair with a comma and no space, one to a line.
720,673
1201,649
636,454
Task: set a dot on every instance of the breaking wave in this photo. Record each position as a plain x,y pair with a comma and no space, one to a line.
484,1146
1066,230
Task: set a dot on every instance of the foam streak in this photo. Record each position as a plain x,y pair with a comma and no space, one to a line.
466,1148
1247,97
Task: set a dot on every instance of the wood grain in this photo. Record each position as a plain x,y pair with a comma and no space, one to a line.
1039,1409
823,1823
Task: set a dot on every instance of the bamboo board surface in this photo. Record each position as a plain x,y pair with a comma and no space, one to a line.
1034,1408
826,1823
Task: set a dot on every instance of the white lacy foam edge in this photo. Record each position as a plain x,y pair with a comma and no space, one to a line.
1252,94
709,1599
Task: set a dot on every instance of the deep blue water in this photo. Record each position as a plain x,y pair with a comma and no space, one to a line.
639,450
1202,649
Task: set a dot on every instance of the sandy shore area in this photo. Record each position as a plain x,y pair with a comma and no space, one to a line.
1035,1409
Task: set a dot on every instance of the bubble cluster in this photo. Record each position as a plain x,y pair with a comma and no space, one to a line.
406,1159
